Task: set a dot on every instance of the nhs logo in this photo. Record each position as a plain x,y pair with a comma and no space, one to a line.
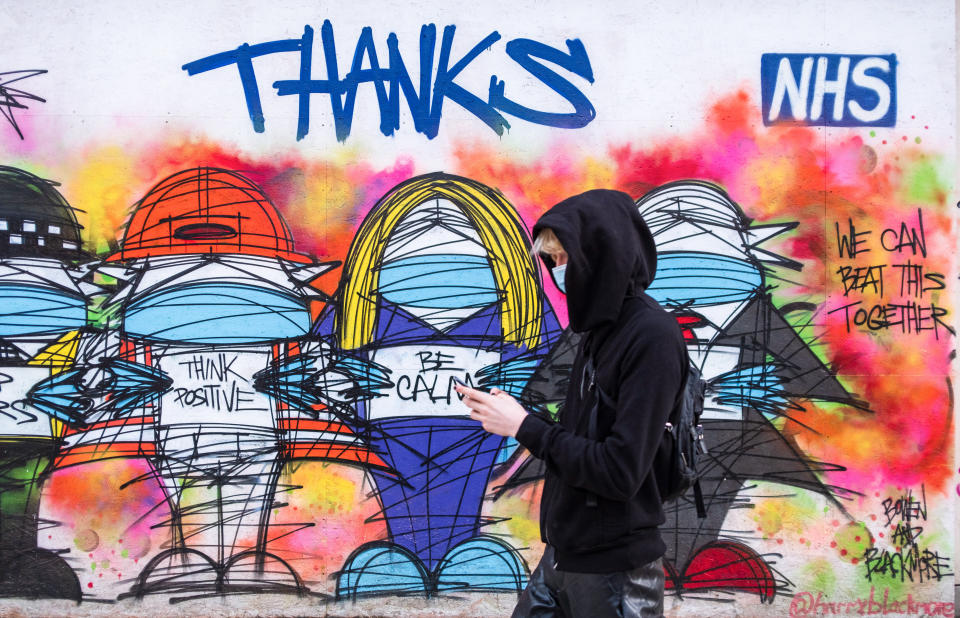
829,89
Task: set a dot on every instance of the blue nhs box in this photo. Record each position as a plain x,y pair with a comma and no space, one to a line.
829,89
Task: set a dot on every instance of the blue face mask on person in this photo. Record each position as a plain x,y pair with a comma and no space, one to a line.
559,275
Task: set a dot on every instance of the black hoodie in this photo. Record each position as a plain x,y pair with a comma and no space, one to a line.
600,507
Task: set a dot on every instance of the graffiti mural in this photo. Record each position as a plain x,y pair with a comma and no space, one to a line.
712,274
439,286
233,311
44,309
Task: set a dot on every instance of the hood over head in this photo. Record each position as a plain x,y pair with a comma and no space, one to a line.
611,253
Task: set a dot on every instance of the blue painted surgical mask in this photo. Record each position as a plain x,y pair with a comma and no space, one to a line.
439,281
703,279
220,312
39,310
559,275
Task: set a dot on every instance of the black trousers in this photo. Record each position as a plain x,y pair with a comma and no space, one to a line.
552,593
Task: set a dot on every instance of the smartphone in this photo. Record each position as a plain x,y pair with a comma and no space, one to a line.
465,385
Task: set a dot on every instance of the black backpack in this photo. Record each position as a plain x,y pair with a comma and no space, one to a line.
678,464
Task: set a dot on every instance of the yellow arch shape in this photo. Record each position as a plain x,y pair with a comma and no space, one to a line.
501,232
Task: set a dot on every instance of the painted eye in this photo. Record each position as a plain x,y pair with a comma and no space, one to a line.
204,231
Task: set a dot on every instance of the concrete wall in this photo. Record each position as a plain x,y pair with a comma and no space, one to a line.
229,333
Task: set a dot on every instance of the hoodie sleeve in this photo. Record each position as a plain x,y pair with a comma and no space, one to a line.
616,466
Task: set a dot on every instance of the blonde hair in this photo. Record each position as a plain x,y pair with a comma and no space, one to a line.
546,242
500,231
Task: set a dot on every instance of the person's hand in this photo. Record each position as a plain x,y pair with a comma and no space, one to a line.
497,411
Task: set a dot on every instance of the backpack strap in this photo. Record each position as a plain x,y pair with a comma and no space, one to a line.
593,385
590,374
698,500
590,378
700,386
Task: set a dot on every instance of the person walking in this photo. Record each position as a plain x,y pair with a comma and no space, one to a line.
601,508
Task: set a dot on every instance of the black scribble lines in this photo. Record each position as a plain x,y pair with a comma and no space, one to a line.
14,98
